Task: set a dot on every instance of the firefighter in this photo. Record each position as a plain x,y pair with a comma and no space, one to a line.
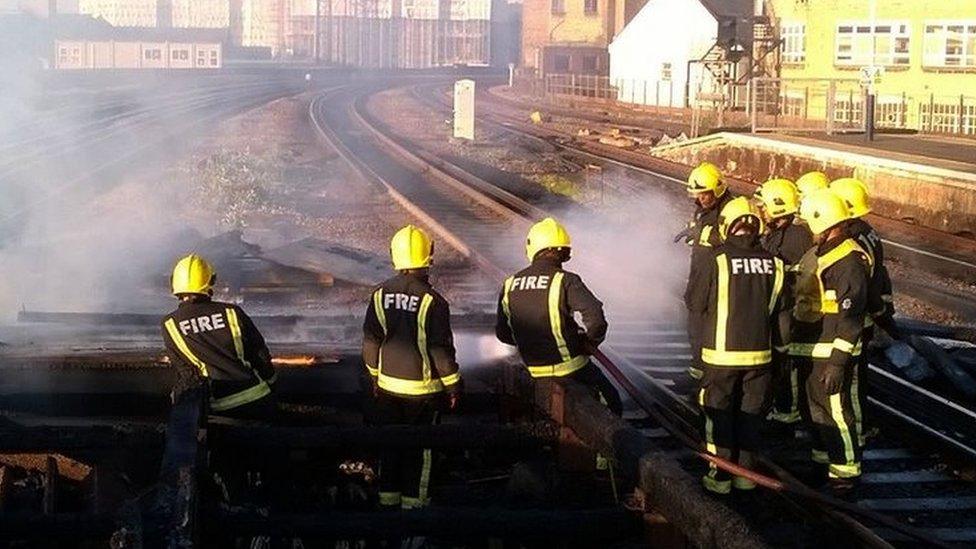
829,313
737,293
535,313
408,350
788,240
811,182
218,345
710,192
880,303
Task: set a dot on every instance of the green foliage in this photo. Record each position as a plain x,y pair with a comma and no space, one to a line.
559,184
233,184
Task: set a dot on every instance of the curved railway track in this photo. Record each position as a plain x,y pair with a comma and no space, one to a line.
486,223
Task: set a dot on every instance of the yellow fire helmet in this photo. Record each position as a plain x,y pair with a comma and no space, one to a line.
811,182
855,195
706,177
736,209
411,248
779,197
193,275
823,210
546,234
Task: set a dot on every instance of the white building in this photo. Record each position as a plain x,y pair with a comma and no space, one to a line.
649,59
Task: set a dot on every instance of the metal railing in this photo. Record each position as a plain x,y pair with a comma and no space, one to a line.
765,104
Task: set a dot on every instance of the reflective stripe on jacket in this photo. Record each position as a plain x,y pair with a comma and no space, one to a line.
535,313
738,295
219,343
408,345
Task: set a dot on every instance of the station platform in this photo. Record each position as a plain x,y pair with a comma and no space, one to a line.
950,153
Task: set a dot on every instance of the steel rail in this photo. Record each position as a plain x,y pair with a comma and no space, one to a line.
789,486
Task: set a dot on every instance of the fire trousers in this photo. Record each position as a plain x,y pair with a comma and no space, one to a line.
735,402
405,474
834,420
592,377
789,394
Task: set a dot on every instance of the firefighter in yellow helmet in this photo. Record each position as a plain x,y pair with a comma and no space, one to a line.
788,240
710,192
831,306
881,308
408,350
811,182
737,293
536,309
217,345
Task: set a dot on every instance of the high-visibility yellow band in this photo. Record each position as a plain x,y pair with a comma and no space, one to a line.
717,486
422,334
561,369
722,313
703,238
846,470
177,338
710,446
777,284
413,387
736,358
506,306
273,379
372,371
378,308
425,476
742,483
447,381
824,350
389,498
413,503
819,456
837,414
235,332
241,398
555,319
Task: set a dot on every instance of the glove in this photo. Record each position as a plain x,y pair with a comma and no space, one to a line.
454,396
683,235
832,378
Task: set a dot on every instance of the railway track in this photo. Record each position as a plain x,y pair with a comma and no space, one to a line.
93,152
903,483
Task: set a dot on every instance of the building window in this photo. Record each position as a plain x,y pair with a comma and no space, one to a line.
665,71
201,58
950,44
213,58
590,64
558,7
889,41
590,7
794,47
152,55
560,63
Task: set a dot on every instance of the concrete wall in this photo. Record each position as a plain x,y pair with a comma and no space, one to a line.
938,198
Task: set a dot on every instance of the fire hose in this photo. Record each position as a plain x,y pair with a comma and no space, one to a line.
784,484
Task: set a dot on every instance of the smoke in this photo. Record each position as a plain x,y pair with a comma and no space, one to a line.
90,218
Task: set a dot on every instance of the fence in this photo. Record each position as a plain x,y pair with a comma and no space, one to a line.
771,104
778,104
